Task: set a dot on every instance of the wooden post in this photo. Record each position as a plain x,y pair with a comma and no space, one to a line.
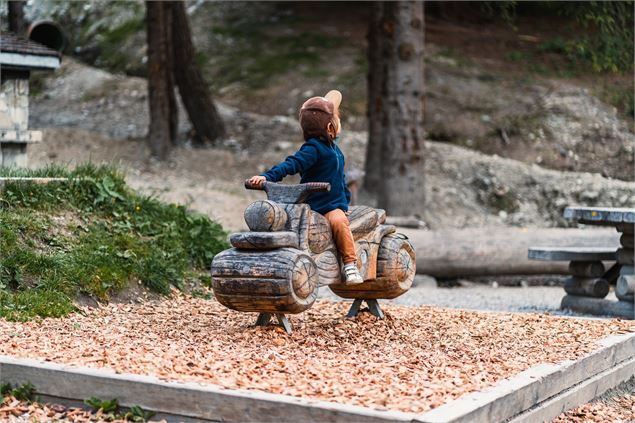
373,308
264,319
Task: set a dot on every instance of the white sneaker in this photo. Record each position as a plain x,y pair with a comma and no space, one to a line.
352,275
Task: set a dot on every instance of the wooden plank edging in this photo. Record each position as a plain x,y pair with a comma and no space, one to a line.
200,401
513,396
579,394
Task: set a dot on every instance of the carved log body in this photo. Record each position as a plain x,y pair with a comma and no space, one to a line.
278,267
320,235
298,221
284,280
396,269
363,220
265,216
328,267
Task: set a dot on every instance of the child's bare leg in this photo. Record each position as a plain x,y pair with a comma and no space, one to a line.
345,244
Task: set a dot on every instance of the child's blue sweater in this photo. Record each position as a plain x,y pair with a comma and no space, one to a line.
317,161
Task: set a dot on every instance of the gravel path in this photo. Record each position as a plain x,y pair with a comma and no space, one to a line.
512,299
535,299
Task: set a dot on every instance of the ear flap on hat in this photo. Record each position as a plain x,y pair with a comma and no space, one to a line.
334,97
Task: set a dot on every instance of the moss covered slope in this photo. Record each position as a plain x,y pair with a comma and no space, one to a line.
92,235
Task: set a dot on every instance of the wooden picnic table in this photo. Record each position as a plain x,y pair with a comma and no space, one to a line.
618,217
623,219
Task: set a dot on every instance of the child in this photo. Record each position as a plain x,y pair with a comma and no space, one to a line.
319,159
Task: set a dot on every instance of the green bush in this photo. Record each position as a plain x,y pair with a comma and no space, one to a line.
610,48
609,25
92,235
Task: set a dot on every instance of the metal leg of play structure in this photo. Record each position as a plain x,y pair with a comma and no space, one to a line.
373,308
265,318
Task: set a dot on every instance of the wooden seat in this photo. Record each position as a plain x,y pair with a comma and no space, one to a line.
264,240
586,254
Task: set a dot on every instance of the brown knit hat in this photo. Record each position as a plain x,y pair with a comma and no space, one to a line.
317,112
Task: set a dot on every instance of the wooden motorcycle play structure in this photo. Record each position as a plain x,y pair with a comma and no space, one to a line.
278,266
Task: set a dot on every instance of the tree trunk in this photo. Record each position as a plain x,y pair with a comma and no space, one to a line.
192,86
160,90
401,190
171,90
375,77
16,17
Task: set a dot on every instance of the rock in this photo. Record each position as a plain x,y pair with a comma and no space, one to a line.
588,196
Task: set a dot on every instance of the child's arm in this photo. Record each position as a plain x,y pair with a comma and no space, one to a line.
302,160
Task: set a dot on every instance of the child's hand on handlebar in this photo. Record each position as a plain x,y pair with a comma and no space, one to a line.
257,180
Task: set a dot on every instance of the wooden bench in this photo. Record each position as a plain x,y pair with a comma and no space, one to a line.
578,254
588,275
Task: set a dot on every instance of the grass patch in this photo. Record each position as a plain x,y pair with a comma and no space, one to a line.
623,99
24,392
110,410
92,235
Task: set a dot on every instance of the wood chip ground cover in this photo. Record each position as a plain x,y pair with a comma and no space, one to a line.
416,359
616,410
13,410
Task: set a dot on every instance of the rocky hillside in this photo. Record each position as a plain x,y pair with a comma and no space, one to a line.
104,117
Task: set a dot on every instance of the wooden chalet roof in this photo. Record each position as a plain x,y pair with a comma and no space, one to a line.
20,53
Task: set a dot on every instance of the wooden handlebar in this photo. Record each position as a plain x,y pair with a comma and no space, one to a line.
289,194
